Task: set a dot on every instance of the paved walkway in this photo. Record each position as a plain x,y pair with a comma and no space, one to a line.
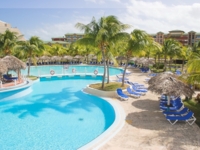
147,129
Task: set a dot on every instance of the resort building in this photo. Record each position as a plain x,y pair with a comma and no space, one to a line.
6,26
69,37
63,43
72,37
185,38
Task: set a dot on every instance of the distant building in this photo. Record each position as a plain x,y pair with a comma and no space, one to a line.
72,37
69,37
63,43
5,26
185,38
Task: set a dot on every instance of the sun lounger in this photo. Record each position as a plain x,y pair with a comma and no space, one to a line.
189,118
139,90
132,93
121,95
7,78
174,113
173,108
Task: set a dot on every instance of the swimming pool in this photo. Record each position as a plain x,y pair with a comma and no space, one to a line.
59,69
55,114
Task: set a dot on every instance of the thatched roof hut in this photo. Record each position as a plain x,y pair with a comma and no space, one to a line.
78,57
121,58
13,63
3,67
68,57
55,58
168,84
44,58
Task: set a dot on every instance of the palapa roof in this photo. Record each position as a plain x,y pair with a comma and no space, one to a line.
68,57
78,57
13,63
56,58
3,67
44,58
167,83
121,58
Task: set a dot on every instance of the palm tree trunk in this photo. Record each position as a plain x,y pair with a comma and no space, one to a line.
183,64
175,64
29,66
104,74
165,62
170,60
108,79
127,60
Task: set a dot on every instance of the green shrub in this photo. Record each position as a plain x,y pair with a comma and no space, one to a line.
158,65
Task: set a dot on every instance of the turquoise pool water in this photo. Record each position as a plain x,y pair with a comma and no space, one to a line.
59,69
53,114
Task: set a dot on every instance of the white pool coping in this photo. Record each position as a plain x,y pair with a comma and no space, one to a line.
25,84
112,130
106,135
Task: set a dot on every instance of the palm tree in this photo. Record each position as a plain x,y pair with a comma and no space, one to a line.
193,63
30,48
184,54
169,46
133,44
7,41
99,34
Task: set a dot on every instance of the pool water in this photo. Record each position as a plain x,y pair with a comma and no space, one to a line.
60,69
55,114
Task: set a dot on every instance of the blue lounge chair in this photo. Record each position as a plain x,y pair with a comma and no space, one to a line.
121,95
119,79
173,108
132,93
7,78
174,113
189,118
139,90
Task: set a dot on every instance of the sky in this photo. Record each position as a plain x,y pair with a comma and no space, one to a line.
55,18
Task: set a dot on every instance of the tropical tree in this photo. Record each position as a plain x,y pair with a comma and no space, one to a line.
133,44
193,69
184,55
169,46
99,34
7,41
31,48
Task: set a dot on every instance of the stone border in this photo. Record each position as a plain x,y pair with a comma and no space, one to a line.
110,94
25,84
117,125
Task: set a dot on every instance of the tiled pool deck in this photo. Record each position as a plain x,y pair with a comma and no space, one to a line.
147,129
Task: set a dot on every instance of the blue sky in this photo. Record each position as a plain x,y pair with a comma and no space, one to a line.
54,18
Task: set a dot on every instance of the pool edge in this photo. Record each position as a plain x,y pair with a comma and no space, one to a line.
112,130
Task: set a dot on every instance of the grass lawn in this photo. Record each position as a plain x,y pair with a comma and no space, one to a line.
112,86
32,77
194,107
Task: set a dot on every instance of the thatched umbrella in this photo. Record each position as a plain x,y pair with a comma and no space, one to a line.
147,62
139,60
121,58
168,84
134,58
68,57
3,67
94,57
13,63
78,57
55,58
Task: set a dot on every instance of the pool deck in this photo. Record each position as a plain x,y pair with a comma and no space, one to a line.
146,127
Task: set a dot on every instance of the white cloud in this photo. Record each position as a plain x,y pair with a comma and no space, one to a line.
156,16
47,31
96,1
